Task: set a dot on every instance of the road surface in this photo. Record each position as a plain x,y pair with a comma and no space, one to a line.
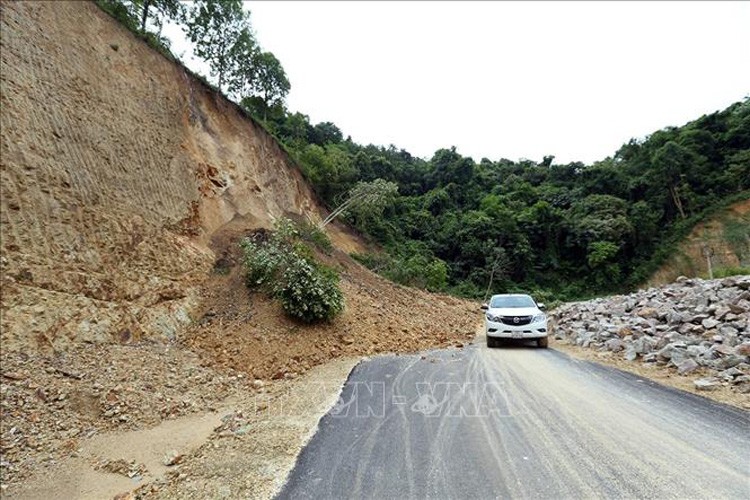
519,422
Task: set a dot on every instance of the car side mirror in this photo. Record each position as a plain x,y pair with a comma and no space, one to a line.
485,307
541,306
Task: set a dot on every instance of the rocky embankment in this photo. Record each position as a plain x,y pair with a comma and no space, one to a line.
697,328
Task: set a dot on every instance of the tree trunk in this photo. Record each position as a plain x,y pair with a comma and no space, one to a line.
489,285
144,15
708,253
677,201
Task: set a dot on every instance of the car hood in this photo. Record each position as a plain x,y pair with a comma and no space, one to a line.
514,311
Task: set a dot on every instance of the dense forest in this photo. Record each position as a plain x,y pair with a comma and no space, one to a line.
563,230
570,229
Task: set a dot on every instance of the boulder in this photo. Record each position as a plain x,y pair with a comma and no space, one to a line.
631,354
743,349
647,312
729,374
687,366
614,345
707,384
709,323
727,362
650,358
643,345
736,308
695,351
721,311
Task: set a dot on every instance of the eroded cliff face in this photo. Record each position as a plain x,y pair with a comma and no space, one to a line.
117,169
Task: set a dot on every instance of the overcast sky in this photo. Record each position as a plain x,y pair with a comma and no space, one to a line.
506,79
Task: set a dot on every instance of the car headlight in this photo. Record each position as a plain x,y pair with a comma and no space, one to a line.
490,317
539,318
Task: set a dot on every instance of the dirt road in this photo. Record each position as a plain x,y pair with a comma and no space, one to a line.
519,422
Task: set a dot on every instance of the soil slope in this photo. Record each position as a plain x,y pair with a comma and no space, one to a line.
726,237
117,169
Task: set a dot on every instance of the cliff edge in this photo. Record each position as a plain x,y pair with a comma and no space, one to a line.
118,169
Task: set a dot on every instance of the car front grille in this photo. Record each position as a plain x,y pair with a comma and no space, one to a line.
515,320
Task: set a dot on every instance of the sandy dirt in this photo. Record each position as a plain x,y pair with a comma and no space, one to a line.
251,455
82,476
247,332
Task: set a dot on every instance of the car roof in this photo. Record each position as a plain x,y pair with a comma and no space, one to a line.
511,295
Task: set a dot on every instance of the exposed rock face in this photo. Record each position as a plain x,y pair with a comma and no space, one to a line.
118,169
691,324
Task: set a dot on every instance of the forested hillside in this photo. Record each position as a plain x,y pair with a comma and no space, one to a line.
570,229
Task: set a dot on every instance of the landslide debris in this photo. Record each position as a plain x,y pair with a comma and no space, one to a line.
50,404
248,332
53,402
695,329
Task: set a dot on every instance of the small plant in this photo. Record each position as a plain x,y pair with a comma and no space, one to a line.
284,267
310,291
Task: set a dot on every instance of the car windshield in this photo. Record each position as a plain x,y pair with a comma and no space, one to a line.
512,301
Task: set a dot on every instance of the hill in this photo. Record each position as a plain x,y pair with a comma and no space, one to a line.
562,230
124,180
126,185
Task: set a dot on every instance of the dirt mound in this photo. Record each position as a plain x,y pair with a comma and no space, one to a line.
246,331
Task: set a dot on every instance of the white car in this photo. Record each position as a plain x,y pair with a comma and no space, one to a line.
515,316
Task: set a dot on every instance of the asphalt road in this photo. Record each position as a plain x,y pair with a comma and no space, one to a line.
519,422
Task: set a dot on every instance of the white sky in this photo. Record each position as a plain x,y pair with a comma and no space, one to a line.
506,79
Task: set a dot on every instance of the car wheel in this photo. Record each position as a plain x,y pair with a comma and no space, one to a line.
490,342
543,342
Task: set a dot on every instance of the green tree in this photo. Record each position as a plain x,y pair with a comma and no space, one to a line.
326,132
171,9
220,32
601,252
366,197
259,78
671,161
271,82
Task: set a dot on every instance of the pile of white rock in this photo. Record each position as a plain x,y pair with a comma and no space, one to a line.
693,325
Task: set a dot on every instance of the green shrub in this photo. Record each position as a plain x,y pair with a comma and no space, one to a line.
417,270
285,269
310,291
263,261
